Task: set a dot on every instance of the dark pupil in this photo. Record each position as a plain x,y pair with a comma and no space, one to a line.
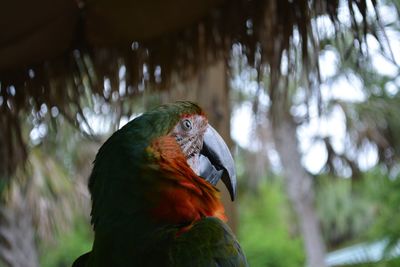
187,124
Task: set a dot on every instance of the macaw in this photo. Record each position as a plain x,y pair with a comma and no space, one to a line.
154,200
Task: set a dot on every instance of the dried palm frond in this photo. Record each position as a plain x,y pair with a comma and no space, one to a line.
113,61
49,194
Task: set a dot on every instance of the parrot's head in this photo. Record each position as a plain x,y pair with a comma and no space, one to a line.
205,150
170,158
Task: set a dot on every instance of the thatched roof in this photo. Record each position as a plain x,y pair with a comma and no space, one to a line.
51,50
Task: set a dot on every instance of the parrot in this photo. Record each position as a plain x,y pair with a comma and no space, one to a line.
154,200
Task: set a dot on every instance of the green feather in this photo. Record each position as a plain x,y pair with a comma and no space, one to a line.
209,242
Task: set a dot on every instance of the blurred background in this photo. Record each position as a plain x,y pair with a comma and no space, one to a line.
306,94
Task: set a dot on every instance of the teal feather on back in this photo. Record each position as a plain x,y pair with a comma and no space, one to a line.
209,242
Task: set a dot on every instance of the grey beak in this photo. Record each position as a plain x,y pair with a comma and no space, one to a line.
216,161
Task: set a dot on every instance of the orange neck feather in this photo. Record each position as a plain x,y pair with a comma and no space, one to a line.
184,196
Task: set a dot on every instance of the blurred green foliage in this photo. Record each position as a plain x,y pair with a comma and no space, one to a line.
345,208
68,247
385,191
364,210
264,231
367,209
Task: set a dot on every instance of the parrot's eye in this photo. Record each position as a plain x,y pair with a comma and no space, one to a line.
187,125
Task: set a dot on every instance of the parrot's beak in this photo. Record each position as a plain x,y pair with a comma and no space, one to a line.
216,161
